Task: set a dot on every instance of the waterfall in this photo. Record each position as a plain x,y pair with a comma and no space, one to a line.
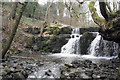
103,48
94,45
99,48
72,46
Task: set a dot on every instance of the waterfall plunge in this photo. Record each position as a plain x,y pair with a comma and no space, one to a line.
94,45
72,46
109,49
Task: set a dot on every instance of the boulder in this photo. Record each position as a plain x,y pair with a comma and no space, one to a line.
85,42
55,43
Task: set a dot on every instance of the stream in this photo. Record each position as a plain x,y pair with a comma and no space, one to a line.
70,53
70,63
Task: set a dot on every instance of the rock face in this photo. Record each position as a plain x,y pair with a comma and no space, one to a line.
108,48
52,43
55,43
85,41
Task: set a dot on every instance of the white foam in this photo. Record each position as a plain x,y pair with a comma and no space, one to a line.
65,55
94,57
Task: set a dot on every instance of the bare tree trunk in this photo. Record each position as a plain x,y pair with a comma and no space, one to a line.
46,21
14,29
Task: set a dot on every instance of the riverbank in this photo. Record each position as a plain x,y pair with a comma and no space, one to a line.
19,66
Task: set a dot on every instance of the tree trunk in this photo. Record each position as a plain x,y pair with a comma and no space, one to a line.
14,29
46,19
110,24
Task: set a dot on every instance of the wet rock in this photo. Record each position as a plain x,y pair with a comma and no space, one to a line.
17,75
40,64
25,74
48,74
55,43
69,65
84,76
95,76
85,42
35,48
89,73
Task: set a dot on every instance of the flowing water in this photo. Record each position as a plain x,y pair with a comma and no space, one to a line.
71,51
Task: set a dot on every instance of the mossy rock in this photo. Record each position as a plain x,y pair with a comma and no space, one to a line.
54,30
35,48
47,48
53,37
4,72
47,41
64,68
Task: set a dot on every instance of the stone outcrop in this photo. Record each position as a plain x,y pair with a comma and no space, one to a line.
85,41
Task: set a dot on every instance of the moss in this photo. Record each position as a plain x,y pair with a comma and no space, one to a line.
53,37
64,68
46,48
95,16
42,51
48,42
35,48
59,25
85,33
119,70
29,42
109,24
9,66
91,5
4,72
54,30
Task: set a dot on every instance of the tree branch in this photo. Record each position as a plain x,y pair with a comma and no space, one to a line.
98,20
108,6
103,10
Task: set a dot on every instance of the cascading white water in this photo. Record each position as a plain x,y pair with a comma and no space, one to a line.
98,48
72,46
94,45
